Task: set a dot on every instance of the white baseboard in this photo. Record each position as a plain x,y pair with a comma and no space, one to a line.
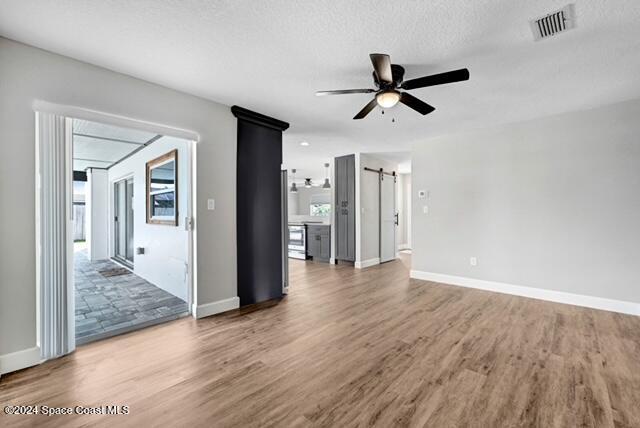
621,306
403,247
366,263
332,261
20,360
218,307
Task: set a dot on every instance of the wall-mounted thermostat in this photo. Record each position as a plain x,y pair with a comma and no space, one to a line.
422,194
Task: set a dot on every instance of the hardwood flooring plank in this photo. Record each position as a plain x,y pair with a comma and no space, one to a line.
355,348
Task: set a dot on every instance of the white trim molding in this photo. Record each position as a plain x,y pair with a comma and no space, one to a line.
208,309
366,263
113,119
20,360
602,303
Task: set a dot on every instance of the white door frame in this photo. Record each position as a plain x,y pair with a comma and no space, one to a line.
112,213
73,112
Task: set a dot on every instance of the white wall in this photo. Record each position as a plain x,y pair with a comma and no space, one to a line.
369,208
404,211
165,247
97,214
552,203
28,74
300,201
292,204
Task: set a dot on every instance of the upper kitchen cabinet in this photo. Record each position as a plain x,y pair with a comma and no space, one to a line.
345,215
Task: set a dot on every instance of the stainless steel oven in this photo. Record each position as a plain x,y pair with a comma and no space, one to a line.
298,241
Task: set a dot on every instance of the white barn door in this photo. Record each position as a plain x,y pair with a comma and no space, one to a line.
387,218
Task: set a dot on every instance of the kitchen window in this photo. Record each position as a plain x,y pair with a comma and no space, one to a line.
320,204
320,210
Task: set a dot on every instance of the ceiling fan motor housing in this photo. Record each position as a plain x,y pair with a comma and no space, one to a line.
397,72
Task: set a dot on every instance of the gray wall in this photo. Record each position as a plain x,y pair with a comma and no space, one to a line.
27,74
552,203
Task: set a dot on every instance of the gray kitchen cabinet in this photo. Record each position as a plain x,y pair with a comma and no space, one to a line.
345,215
319,242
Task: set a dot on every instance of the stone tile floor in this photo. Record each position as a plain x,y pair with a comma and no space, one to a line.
109,306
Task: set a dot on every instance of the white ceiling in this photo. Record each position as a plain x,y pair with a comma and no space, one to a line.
271,56
99,145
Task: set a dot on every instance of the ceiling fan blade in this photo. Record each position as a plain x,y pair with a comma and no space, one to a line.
416,104
382,66
366,110
437,79
344,91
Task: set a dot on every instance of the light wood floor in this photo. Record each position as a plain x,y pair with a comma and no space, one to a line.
356,348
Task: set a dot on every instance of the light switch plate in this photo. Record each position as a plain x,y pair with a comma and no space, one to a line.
473,261
425,209
211,204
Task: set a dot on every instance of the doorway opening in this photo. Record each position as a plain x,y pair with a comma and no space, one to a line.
308,210
123,224
129,270
381,199
384,214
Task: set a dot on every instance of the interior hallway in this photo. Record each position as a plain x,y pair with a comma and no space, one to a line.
357,347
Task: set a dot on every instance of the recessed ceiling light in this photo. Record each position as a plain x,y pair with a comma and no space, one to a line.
304,143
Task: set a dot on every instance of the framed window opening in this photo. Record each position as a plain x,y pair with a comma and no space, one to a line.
162,189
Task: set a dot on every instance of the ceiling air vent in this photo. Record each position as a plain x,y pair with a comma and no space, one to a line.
554,23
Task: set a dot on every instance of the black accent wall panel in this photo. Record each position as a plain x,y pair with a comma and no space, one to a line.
259,212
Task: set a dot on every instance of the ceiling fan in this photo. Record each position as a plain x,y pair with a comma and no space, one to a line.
388,79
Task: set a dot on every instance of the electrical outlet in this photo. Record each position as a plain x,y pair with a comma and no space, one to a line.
211,204
473,261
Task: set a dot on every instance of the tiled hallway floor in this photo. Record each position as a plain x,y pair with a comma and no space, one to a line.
107,306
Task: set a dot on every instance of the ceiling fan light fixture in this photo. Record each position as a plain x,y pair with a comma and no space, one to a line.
387,99
294,188
326,184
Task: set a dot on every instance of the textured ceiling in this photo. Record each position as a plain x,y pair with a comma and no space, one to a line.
270,56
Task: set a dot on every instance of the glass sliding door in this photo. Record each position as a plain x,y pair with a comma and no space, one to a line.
123,221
